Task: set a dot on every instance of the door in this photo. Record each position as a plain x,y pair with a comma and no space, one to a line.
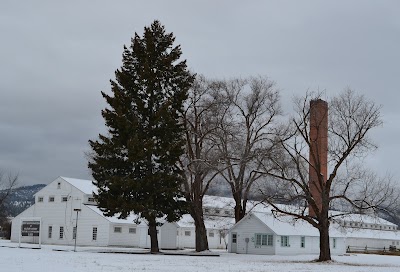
234,242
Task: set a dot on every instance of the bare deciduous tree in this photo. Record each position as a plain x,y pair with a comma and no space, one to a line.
200,159
7,186
249,110
351,118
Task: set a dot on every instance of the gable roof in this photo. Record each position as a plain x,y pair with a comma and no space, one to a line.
210,222
361,218
86,186
114,219
285,225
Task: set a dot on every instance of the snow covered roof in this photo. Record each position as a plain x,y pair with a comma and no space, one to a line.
218,202
285,225
114,219
86,186
362,218
211,222
370,233
222,202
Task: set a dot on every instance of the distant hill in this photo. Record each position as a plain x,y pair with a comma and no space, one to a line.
21,199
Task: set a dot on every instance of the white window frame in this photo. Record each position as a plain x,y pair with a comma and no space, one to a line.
40,198
132,230
52,199
50,232
117,229
210,234
64,198
188,233
264,239
285,241
94,234
61,236
234,238
302,241
59,185
334,242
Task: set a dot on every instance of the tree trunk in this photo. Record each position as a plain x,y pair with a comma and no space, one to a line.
324,249
201,234
153,235
239,212
196,211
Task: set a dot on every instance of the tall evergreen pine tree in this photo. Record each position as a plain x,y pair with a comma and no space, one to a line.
135,165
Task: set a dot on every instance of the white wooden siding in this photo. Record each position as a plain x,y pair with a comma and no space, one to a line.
61,214
370,243
168,236
247,228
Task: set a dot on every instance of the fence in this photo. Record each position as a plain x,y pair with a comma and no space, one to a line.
367,249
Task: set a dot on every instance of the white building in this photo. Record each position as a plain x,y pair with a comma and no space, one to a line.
262,233
56,205
367,232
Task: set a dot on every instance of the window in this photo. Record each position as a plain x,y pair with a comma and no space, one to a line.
303,241
50,232
217,211
227,212
90,199
94,234
206,210
285,241
117,229
334,242
64,199
132,230
187,232
59,185
211,234
234,238
51,198
74,233
61,232
397,242
40,199
264,239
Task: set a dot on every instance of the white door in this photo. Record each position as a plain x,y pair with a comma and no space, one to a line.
233,242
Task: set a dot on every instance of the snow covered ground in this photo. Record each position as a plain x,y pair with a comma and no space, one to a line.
63,259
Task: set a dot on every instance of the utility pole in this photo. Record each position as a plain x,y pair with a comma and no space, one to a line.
76,227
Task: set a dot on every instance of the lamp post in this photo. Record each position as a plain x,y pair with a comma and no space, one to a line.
76,227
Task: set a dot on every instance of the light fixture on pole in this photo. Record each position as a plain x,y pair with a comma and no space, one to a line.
76,227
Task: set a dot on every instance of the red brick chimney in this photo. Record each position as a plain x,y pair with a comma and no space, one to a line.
318,150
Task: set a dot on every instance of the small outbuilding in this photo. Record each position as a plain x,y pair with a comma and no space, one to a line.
263,233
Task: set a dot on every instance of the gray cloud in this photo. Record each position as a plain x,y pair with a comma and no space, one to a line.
56,57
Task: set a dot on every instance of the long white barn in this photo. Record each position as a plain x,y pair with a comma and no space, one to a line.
56,206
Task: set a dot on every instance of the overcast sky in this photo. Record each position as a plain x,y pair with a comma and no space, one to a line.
56,57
